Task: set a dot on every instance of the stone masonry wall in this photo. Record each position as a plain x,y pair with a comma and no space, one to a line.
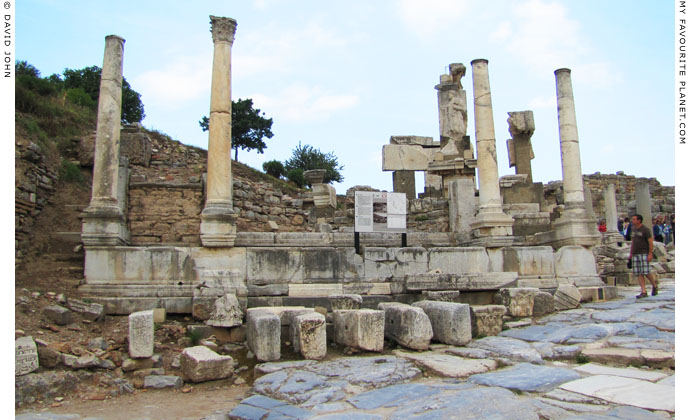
35,181
662,197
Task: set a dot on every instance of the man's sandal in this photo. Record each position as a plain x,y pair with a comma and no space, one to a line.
641,295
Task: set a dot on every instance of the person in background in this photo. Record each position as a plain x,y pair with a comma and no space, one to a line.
627,228
673,227
621,226
602,228
657,230
641,255
666,230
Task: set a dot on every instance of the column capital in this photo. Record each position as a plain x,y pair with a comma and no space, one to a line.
479,60
117,38
223,29
563,70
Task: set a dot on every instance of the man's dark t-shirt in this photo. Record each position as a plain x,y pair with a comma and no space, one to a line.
640,240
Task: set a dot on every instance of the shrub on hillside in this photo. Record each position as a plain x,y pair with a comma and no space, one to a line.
274,168
296,175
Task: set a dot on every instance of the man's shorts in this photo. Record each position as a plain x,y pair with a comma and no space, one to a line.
640,265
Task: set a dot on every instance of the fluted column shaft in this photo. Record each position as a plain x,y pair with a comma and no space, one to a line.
573,187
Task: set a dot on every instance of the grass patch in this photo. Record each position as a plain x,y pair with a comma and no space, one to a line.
581,359
69,172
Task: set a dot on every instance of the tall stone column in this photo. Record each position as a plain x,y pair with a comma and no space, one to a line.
218,227
611,211
575,226
103,221
490,221
643,204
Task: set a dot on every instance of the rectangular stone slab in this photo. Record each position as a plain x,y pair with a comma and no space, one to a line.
405,158
477,281
630,372
626,391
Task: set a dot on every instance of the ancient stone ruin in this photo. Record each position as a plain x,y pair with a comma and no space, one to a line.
507,247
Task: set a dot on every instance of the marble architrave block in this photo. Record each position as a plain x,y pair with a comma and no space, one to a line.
398,157
407,325
141,334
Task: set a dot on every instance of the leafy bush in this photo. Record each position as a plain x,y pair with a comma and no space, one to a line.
306,158
22,68
274,168
296,175
70,172
78,97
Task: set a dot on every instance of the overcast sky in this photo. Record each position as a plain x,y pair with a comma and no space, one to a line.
345,76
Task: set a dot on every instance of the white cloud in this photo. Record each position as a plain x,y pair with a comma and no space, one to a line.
299,103
275,48
181,80
426,18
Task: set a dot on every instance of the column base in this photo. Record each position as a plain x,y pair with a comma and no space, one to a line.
104,226
575,229
218,227
493,224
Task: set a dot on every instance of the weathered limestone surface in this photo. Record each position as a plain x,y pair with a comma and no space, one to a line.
643,203
405,157
543,304
345,301
407,325
103,220
324,195
576,265
25,356
447,365
141,334
308,332
521,127
566,297
404,182
462,205
217,219
450,322
58,314
199,364
490,221
363,328
414,140
519,301
486,320
263,334
226,312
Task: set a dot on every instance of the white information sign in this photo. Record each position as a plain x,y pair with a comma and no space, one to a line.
380,212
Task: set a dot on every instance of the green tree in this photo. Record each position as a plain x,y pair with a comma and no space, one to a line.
249,126
274,168
23,68
89,80
306,158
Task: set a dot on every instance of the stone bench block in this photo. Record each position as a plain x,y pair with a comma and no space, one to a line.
450,322
141,334
308,332
487,320
263,334
519,301
362,329
345,301
199,364
407,325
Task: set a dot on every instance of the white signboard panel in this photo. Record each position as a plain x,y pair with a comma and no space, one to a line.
380,212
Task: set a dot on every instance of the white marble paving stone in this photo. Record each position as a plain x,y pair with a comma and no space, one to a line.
668,381
627,391
629,372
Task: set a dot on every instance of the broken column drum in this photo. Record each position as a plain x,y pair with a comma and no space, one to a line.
491,221
103,219
218,227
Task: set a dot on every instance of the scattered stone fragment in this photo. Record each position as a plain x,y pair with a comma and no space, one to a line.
526,377
543,304
226,312
363,328
407,325
162,381
566,297
58,314
308,332
627,391
486,320
137,364
199,364
345,301
263,334
447,365
450,322
519,301
89,311
25,356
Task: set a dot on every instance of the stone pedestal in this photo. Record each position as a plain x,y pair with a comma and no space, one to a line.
218,227
575,227
490,220
104,220
643,204
461,207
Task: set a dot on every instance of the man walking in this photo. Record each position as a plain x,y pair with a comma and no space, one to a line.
641,255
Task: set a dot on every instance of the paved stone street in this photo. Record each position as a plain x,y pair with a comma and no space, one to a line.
604,360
